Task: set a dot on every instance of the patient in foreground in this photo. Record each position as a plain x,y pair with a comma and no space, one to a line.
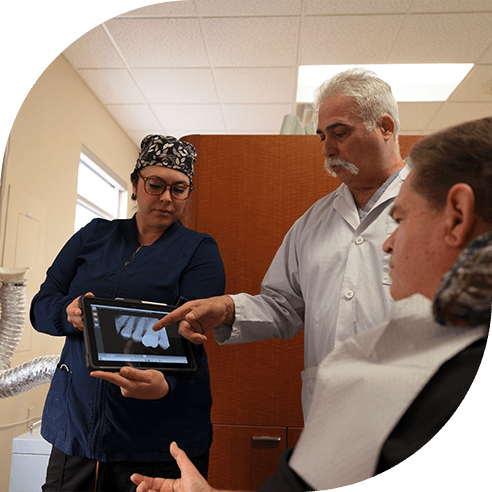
383,394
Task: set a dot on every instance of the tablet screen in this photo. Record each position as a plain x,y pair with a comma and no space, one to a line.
119,332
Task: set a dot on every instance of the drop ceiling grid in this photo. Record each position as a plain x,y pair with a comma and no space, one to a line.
186,63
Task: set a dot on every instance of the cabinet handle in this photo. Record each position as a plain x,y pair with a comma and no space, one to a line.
267,439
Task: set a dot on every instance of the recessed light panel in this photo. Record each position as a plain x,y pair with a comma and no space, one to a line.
409,82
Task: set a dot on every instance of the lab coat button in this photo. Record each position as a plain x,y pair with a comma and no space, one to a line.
349,294
359,240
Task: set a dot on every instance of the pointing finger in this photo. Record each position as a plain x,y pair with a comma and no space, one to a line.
174,316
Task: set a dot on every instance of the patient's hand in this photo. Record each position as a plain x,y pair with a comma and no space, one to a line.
191,480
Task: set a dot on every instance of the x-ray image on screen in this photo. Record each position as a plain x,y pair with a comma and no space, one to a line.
139,329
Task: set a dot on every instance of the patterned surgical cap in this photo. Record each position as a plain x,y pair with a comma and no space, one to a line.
167,151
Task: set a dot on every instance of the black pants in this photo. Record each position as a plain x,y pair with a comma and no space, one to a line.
76,474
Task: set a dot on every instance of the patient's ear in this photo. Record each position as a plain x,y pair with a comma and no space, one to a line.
459,215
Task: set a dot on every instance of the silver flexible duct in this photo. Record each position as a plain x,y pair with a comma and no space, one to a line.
13,307
28,375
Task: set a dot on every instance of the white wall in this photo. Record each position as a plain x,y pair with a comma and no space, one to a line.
59,115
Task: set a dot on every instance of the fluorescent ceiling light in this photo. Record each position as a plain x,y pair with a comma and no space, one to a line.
409,82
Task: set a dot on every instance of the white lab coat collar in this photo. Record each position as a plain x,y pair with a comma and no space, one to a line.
345,205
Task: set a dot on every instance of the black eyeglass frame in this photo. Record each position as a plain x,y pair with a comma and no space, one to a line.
166,186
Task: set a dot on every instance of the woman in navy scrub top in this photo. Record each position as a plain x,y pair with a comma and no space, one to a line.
106,426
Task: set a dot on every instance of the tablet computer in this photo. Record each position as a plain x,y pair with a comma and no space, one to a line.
118,332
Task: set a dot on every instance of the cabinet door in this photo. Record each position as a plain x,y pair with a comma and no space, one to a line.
244,457
257,383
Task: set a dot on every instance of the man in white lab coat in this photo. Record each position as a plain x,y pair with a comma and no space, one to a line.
330,275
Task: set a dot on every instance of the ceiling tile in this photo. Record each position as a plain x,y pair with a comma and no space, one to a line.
154,43
487,57
138,135
256,85
415,116
112,86
422,6
330,40
180,133
255,117
237,8
176,85
476,87
442,38
351,7
191,118
133,117
183,8
455,113
93,50
251,41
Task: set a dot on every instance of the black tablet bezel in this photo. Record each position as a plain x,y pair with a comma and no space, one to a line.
156,310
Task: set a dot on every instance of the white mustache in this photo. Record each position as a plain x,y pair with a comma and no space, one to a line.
331,162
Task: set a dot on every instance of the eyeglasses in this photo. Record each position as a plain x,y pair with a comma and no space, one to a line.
156,186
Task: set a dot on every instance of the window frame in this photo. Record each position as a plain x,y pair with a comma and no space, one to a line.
89,159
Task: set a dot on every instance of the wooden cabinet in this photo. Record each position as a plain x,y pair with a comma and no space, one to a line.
245,455
250,189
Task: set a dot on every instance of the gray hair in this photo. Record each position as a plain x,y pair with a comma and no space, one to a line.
372,95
